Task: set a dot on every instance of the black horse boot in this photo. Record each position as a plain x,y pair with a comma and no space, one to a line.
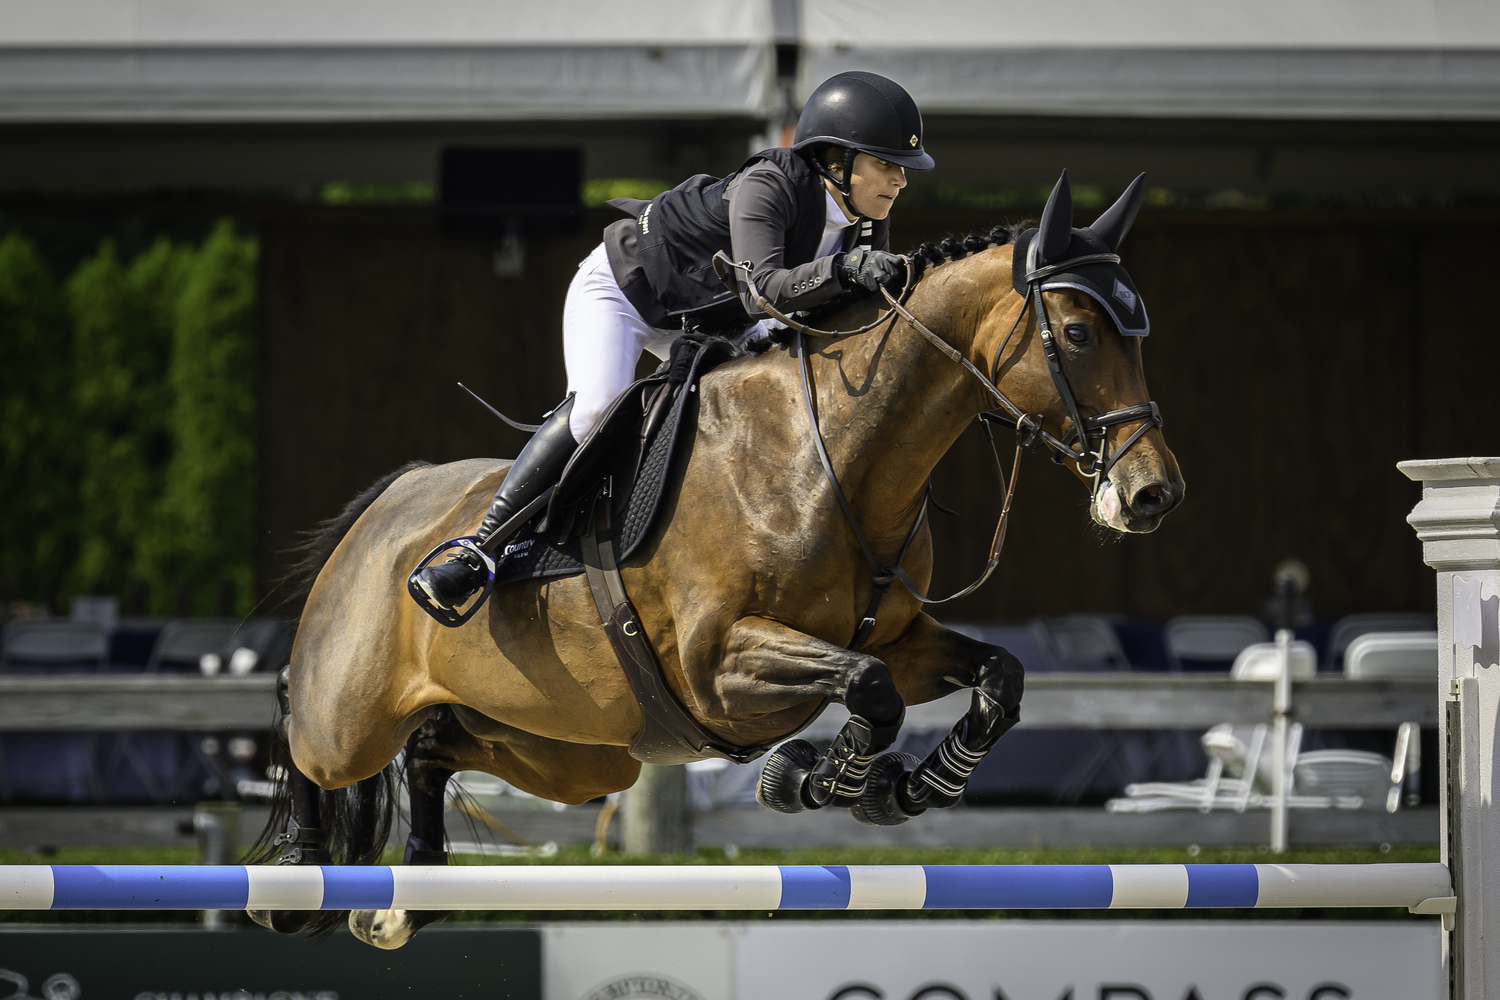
449,584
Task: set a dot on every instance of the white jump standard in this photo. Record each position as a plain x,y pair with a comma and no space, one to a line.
1423,888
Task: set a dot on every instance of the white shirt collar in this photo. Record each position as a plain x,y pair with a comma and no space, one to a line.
834,224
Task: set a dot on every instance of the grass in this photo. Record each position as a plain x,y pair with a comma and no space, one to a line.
579,855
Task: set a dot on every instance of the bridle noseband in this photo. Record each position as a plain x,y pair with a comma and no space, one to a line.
1093,460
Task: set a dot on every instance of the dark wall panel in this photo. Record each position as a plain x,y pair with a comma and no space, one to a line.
369,321
1296,360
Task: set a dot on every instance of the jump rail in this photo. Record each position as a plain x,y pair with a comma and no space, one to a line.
1422,888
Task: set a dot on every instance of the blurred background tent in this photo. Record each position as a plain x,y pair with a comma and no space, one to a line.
396,194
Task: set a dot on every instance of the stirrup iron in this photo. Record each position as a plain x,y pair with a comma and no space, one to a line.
453,619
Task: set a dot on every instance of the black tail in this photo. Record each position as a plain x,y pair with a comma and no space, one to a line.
356,821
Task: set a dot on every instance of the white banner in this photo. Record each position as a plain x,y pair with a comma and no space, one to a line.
994,960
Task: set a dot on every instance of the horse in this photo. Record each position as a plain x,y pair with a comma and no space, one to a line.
749,585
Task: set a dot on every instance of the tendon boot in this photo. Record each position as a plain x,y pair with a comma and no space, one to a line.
940,780
449,584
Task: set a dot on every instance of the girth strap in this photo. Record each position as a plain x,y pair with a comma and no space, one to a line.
669,733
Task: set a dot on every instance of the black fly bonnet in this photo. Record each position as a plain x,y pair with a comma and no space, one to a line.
1056,257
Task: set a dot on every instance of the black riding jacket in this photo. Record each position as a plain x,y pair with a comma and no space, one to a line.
770,212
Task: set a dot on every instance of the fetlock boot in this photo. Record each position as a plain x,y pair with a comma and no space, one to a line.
450,583
840,775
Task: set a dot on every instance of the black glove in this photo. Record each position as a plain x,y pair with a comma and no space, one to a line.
871,270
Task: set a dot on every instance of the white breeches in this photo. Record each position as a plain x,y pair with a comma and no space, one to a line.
603,337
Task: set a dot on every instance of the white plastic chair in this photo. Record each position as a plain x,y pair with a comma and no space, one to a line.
1262,662
1344,779
1351,627
1380,655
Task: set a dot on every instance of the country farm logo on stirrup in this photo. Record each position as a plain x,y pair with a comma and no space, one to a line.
455,547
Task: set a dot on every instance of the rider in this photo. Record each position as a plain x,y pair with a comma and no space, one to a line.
810,221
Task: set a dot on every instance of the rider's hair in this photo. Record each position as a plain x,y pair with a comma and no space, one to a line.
830,156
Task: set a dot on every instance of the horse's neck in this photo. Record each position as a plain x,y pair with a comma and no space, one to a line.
890,405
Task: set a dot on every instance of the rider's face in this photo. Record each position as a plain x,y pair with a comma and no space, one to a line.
874,185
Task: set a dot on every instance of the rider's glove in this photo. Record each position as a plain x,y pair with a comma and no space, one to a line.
870,270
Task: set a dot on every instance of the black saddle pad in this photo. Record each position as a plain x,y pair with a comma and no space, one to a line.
626,461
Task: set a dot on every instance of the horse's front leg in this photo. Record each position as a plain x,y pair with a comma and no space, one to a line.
928,661
769,667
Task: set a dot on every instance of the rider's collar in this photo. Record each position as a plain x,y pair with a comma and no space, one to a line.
836,218
1105,281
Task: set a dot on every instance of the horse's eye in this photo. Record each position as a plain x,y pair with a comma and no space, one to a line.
1078,333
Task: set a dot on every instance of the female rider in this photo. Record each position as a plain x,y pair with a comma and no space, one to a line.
811,222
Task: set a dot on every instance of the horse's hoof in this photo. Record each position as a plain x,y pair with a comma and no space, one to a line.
878,806
781,780
387,929
282,921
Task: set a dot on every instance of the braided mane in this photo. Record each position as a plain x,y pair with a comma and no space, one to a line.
923,258
950,248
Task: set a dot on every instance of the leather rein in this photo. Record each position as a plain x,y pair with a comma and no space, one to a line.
1093,461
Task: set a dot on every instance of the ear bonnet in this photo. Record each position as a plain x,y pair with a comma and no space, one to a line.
1054,244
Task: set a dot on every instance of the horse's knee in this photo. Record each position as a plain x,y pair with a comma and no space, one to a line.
872,694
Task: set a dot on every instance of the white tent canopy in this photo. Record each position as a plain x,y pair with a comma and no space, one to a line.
1260,58
301,60
500,60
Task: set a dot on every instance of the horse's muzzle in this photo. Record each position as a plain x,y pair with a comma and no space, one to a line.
1136,506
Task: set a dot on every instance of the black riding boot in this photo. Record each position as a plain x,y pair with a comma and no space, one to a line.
451,583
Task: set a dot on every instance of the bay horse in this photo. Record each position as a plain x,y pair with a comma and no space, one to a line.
749,585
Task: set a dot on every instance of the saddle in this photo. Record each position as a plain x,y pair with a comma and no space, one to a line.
600,511
620,470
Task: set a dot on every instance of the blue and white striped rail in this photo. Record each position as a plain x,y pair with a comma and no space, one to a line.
1424,887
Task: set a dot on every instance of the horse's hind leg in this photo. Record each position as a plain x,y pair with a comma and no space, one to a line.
427,784
302,843
900,786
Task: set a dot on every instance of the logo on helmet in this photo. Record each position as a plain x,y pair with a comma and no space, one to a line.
914,142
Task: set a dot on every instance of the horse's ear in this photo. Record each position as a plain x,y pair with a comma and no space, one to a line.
1112,226
1055,231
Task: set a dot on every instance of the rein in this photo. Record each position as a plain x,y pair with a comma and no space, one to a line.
1093,462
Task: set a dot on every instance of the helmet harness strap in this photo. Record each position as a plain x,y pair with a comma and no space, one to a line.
842,183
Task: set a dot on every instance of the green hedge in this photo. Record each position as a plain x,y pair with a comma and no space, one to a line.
128,406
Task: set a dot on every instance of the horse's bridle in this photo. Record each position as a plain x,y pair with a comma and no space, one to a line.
1092,460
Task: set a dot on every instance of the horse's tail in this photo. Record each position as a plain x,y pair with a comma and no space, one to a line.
356,821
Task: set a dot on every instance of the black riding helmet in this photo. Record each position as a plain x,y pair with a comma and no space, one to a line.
863,113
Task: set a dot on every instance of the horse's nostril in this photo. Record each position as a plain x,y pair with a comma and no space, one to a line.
1151,497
